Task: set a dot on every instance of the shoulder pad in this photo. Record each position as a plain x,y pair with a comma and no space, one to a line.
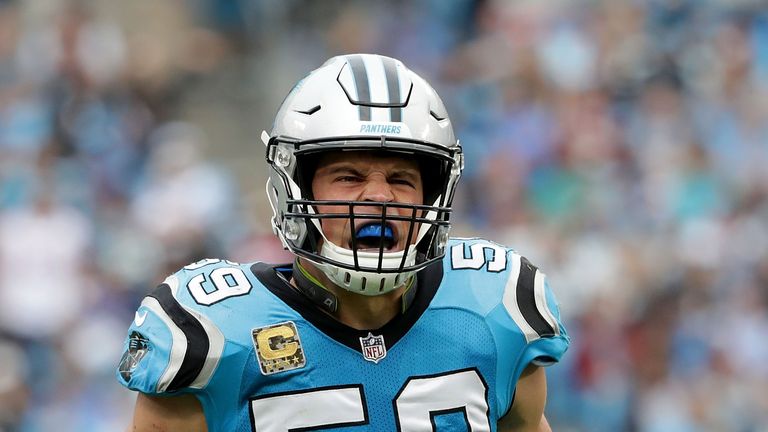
525,299
516,302
532,305
171,345
521,287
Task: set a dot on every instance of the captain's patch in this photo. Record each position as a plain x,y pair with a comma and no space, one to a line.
278,348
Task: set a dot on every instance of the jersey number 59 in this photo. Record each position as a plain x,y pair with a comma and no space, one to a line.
416,405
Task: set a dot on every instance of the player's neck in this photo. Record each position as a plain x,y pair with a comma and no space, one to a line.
367,312
355,310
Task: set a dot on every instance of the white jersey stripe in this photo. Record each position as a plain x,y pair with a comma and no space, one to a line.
173,283
215,338
178,344
215,349
541,301
510,301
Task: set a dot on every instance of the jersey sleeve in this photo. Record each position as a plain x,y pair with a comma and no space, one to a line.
170,347
548,346
534,309
534,331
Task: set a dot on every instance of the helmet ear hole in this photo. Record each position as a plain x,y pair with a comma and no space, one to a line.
432,171
306,165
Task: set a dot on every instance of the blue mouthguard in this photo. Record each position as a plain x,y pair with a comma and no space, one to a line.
374,230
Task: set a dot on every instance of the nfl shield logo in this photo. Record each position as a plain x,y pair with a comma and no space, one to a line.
373,347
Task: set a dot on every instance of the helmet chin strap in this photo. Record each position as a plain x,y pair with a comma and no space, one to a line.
321,296
314,289
367,281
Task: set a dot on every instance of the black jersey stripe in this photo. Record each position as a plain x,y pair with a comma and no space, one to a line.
362,86
197,339
526,299
393,89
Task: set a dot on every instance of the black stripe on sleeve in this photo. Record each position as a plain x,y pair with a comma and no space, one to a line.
197,339
361,85
526,299
393,88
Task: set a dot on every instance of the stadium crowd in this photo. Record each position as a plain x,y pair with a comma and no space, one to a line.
620,145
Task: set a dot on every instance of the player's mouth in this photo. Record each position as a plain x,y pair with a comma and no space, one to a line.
369,236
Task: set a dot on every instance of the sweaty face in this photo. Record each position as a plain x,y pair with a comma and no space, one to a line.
371,177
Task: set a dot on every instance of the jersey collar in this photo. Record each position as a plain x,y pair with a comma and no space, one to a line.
276,279
326,300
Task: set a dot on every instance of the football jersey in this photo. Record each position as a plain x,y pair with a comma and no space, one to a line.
260,356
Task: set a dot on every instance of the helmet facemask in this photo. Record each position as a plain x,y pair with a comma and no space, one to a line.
377,269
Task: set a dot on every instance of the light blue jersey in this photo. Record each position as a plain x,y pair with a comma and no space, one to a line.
260,356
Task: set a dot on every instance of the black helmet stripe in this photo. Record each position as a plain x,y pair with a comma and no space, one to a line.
360,76
393,87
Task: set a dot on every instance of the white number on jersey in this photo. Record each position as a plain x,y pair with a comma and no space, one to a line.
417,402
476,259
227,282
421,399
333,406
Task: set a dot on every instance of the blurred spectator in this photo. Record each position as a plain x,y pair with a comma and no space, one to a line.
43,249
183,199
14,393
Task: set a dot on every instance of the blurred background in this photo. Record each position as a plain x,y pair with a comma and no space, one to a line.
622,146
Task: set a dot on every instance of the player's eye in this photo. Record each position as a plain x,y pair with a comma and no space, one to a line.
348,179
403,181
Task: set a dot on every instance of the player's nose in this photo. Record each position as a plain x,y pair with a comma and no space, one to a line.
377,189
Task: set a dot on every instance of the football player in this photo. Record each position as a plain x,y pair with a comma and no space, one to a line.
382,322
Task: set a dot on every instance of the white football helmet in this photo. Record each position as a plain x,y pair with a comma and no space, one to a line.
355,103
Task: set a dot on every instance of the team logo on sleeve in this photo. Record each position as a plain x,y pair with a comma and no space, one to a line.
373,347
138,346
278,348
